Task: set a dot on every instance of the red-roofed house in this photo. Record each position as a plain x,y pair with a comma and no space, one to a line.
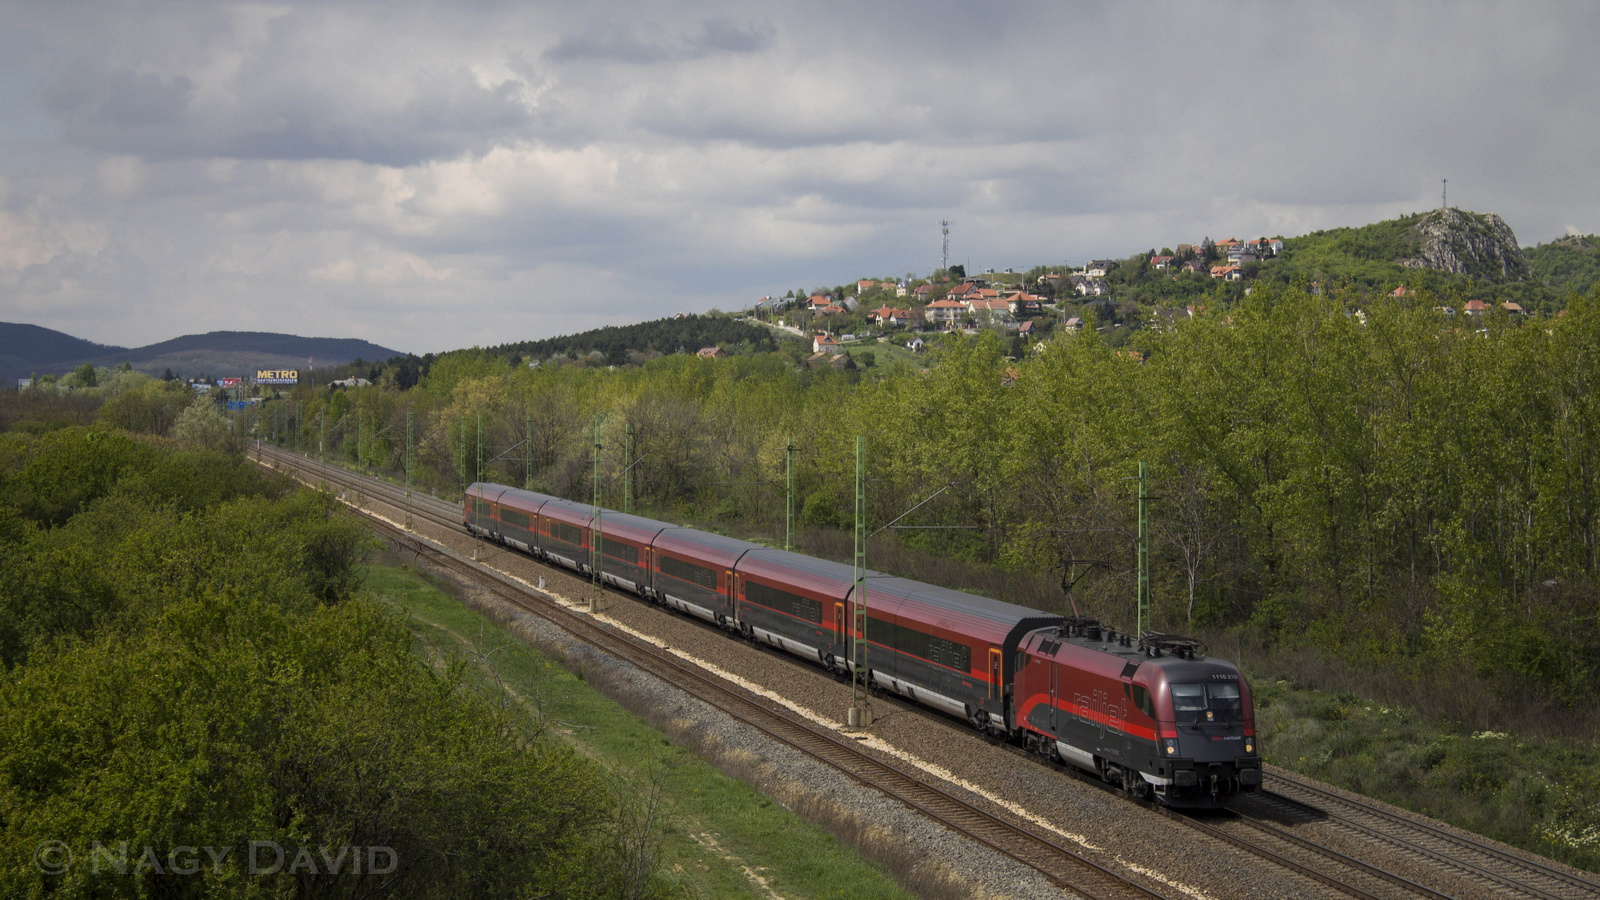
945,312
888,315
824,343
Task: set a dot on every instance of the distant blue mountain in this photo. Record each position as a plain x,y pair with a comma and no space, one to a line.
27,350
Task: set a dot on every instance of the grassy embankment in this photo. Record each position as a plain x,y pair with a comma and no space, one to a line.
713,835
1542,796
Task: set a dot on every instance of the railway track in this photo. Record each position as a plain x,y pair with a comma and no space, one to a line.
1494,869
997,831
1257,828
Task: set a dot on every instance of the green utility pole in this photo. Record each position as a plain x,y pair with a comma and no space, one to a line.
461,457
860,713
1144,551
627,469
408,470
527,452
595,538
788,518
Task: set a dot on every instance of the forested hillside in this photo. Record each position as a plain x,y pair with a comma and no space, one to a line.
1404,490
1570,263
191,684
620,344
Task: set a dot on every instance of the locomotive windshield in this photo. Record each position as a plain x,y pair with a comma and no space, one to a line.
1194,704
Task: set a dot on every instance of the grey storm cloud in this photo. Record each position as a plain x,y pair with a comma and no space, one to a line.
120,99
434,114
613,43
432,174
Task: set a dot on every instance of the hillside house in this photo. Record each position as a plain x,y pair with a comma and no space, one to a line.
990,308
825,343
1024,305
945,313
888,315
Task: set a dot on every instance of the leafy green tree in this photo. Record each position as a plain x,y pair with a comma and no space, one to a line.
203,425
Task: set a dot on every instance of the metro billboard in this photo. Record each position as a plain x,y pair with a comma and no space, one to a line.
277,376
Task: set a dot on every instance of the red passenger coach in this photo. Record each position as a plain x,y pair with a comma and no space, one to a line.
692,572
947,649
518,515
625,542
503,514
564,533
477,508
796,603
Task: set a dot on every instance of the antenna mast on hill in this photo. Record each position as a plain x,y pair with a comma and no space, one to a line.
1444,192
944,250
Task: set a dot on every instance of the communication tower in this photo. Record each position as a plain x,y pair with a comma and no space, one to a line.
944,250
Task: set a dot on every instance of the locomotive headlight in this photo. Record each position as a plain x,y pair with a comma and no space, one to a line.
1249,746
1172,746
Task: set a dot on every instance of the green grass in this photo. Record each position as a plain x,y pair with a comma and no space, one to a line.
716,834
1541,796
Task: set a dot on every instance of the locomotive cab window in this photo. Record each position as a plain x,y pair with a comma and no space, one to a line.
1141,699
1197,703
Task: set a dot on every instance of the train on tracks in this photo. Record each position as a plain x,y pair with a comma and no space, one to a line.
1150,713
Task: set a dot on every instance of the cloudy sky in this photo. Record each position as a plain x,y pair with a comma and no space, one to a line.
437,175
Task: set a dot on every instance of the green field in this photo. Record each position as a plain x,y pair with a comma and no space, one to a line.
712,834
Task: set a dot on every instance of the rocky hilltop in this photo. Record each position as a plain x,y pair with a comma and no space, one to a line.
1481,245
